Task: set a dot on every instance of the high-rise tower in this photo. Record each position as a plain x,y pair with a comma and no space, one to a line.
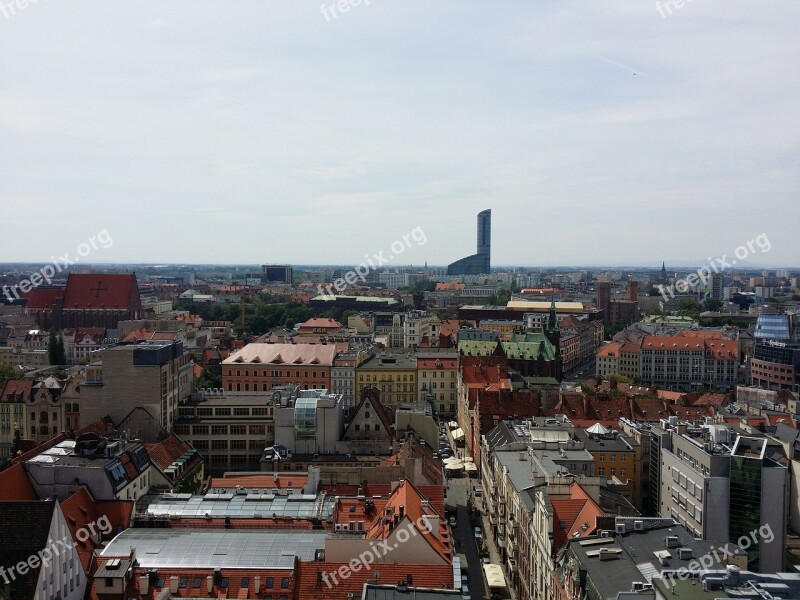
479,263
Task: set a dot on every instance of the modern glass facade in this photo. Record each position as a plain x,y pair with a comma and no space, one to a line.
773,327
305,418
479,263
745,504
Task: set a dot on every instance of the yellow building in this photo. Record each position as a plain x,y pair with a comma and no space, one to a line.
395,376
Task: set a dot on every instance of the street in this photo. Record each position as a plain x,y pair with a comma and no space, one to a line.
464,534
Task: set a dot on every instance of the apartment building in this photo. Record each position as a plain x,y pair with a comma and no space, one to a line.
343,374
394,375
154,375
438,383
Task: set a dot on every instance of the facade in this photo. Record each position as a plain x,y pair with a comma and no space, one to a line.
394,375
438,384
343,374
230,429
154,375
370,430
570,348
688,362
276,273
479,263
718,484
261,367
309,423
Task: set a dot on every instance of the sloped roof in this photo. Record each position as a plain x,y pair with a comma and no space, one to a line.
305,354
408,496
15,485
95,290
43,297
24,529
310,584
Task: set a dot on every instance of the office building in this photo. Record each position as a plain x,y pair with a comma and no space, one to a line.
479,263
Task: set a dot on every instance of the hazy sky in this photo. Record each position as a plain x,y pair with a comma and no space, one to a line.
262,131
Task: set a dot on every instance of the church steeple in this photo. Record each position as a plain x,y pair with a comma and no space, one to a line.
663,271
552,319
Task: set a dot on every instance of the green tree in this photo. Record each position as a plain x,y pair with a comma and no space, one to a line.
55,349
209,379
8,372
712,304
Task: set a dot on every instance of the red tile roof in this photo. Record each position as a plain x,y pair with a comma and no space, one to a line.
43,297
17,390
571,515
167,451
411,499
285,480
95,290
613,349
431,363
15,486
311,584
234,577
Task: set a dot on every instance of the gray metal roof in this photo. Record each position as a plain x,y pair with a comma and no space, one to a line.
217,548
255,504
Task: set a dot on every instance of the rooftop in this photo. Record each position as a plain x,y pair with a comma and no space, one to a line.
214,548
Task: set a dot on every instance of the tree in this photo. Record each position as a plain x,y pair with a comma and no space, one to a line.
55,349
209,379
8,372
712,304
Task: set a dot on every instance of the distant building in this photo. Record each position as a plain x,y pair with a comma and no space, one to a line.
260,367
276,273
88,300
480,262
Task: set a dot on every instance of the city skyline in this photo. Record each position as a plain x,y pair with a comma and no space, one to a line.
591,131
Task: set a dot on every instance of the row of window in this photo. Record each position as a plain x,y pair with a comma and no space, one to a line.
276,374
222,429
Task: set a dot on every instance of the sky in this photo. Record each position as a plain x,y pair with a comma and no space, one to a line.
271,131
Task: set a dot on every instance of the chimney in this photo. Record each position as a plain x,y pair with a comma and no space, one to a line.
209,584
144,584
257,581
173,584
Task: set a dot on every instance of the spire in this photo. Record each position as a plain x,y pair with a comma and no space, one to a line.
552,321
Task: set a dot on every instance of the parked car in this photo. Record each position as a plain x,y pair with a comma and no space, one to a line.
478,533
477,491
465,592
453,522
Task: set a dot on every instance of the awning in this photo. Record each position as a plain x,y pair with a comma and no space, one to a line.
470,467
458,434
494,576
452,424
454,466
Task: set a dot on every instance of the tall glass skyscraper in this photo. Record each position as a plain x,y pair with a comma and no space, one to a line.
479,263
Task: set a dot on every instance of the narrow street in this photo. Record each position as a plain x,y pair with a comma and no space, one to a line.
464,534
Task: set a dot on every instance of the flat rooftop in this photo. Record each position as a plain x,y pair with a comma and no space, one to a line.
217,549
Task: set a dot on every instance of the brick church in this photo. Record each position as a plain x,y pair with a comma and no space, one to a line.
88,300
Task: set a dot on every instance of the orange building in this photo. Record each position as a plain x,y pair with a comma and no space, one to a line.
261,367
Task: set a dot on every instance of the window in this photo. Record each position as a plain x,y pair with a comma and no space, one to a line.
245,582
268,583
183,582
284,583
223,584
